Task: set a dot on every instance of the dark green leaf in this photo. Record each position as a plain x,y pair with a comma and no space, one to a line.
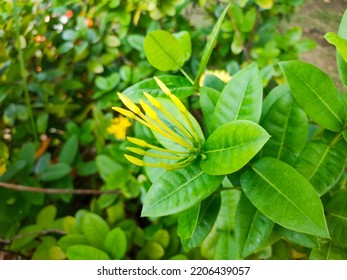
322,164
55,172
179,86
241,98
232,146
86,252
179,190
316,94
198,221
299,238
287,124
69,150
282,194
28,234
328,251
337,219
252,228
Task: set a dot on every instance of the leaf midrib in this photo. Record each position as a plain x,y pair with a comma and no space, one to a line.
232,147
287,198
321,99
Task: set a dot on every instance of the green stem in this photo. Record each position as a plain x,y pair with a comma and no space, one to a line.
22,72
187,76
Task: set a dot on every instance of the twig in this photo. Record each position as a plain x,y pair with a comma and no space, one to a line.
56,191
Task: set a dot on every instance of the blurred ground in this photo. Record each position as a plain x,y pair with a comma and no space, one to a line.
317,17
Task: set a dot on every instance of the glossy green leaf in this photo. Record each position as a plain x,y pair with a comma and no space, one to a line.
116,243
282,194
341,63
232,146
336,210
55,172
69,150
252,228
345,135
316,94
178,85
46,216
241,98
95,229
299,238
86,252
287,124
322,164
338,42
210,44
328,251
195,224
164,51
178,190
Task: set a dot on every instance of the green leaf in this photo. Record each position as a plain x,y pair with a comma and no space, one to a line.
322,164
208,100
184,39
116,243
282,194
287,124
341,63
72,239
28,234
241,98
232,146
69,150
46,216
328,251
42,122
95,229
210,44
272,97
164,51
338,42
179,190
107,166
55,172
179,86
252,228
316,94
299,238
195,223
86,252
336,210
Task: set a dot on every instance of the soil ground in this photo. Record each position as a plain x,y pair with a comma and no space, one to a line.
316,18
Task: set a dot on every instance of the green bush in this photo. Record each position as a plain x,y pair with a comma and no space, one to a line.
68,192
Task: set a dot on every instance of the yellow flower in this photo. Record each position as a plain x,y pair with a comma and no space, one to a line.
155,116
2,166
220,74
118,127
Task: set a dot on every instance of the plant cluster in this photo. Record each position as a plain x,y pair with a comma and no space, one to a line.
204,153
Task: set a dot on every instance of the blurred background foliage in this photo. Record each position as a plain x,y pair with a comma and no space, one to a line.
61,64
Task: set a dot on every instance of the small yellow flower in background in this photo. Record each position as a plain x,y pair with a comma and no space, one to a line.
118,127
2,166
220,74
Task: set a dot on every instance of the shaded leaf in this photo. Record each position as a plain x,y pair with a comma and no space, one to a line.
322,164
299,238
55,172
178,190
86,252
328,251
